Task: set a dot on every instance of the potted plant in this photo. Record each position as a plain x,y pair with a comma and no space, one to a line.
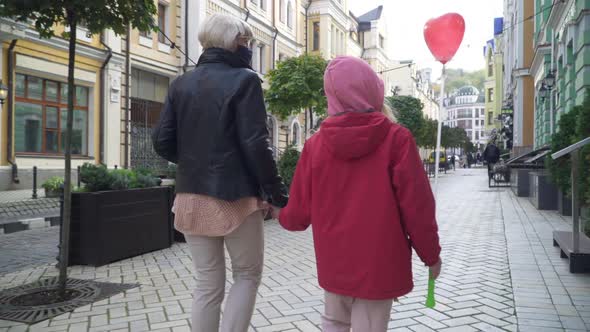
118,214
53,186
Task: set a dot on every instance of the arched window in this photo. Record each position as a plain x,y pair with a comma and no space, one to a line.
289,15
296,134
282,11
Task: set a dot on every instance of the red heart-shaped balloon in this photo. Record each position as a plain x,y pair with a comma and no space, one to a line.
444,35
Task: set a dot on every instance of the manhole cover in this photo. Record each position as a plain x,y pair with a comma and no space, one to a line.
38,301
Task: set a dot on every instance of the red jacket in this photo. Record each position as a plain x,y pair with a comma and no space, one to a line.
361,184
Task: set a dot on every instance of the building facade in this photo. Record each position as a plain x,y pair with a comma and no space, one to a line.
493,90
561,64
33,117
518,84
466,109
122,81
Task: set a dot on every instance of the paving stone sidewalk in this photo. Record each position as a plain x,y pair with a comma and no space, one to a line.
500,273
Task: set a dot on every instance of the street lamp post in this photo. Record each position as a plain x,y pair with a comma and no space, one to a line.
549,83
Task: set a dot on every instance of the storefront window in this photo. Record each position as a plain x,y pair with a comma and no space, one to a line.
41,114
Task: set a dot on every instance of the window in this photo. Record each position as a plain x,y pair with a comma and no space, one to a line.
263,4
491,94
148,86
381,41
261,58
282,11
41,115
289,15
332,41
296,134
316,36
464,113
482,112
162,23
490,117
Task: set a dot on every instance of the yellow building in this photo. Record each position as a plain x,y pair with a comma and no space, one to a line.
33,117
494,78
122,81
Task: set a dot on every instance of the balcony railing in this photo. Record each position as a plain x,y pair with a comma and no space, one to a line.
570,243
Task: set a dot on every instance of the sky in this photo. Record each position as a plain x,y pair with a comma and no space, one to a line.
406,19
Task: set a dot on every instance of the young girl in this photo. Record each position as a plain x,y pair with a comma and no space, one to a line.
361,184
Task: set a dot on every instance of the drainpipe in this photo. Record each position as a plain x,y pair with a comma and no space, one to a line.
186,49
306,51
103,78
10,108
127,93
307,26
276,33
245,4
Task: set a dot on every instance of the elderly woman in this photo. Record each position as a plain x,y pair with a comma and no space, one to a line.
214,127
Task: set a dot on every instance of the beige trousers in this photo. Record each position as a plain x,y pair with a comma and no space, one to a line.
345,312
246,250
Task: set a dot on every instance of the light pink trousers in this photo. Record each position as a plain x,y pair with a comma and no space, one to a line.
342,313
246,250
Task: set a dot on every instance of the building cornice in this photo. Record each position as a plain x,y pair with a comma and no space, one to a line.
538,59
62,44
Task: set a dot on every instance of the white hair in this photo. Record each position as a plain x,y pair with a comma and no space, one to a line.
223,31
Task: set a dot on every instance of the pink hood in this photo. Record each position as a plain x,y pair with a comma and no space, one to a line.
351,85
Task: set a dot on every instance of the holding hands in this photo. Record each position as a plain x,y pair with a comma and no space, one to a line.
274,211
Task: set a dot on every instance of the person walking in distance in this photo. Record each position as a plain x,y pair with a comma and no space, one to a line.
364,227
491,155
214,127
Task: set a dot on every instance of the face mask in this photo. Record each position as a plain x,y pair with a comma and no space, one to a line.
245,54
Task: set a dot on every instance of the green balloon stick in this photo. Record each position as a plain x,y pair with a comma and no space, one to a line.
430,302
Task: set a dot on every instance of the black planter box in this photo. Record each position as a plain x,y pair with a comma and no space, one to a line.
564,204
519,182
543,193
113,225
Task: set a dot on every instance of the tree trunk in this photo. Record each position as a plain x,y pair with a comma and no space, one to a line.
67,210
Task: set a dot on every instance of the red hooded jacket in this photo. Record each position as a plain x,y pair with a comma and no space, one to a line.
360,183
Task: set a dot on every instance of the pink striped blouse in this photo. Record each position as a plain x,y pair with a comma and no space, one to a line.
208,216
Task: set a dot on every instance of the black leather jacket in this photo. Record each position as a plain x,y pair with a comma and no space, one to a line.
213,127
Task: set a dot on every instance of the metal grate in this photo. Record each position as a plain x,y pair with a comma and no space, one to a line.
86,292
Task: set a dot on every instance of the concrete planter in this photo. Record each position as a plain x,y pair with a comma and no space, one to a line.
519,181
112,225
542,193
564,204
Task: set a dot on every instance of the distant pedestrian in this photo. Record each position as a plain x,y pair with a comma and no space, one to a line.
469,159
453,161
364,226
491,155
214,127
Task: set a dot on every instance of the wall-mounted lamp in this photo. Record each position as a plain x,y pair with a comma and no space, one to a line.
549,80
3,93
543,92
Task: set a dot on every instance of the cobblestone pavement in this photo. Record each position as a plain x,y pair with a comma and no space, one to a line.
30,248
28,208
500,273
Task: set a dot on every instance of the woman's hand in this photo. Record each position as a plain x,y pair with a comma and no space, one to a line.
435,269
274,211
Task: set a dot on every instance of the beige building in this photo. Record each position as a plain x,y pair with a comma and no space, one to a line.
123,80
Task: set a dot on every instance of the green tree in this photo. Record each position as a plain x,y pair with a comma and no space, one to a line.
97,16
582,132
297,84
564,137
287,165
408,111
457,78
427,136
